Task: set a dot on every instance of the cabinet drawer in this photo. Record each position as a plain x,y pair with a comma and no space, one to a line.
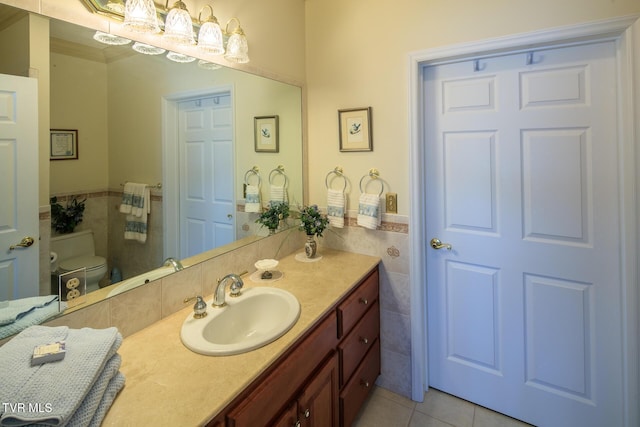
352,309
354,347
357,389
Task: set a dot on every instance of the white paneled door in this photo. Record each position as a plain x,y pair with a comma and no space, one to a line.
19,243
206,174
524,310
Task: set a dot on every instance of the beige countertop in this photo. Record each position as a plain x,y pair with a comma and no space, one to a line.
167,384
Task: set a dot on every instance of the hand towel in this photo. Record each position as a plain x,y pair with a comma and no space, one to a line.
10,311
369,211
252,199
64,384
277,194
136,204
33,317
335,207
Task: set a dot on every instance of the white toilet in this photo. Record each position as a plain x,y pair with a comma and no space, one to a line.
78,250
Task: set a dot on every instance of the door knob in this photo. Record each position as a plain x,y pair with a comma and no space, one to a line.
437,244
24,243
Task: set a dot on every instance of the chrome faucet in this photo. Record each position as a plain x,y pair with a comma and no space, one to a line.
218,295
177,266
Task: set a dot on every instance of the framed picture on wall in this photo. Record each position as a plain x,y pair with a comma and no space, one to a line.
63,144
355,129
266,134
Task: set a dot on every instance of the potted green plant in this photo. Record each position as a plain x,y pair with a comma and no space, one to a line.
313,223
271,217
64,219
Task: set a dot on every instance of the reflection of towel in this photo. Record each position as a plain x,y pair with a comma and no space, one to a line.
70,387
10,311
335,207
136,203
369,211
252,199
278,194
27,318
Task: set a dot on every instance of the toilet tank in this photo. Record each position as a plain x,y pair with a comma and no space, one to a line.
73,244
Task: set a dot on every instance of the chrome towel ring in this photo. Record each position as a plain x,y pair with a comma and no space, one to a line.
373,175
339,173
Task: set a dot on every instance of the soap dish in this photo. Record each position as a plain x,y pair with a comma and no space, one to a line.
266,264
265,271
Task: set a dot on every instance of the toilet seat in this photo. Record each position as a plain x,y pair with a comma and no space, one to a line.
91,262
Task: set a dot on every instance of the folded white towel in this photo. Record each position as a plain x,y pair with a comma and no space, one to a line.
277,194
335,207
369,211
10,311
252,199
32,317
64,384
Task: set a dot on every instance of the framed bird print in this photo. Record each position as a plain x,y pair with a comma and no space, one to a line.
266,134
355,129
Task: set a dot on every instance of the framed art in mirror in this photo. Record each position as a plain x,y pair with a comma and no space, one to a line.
355,129
266,134
63,144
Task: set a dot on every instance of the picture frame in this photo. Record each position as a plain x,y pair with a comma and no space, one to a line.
63,144
266,134
355,129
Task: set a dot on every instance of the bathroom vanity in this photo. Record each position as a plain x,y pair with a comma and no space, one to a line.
318,373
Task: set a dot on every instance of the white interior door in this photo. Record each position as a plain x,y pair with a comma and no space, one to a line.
206,174
524,310
18,187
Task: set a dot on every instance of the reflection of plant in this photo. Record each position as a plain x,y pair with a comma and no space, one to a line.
312,222
65,219
271,217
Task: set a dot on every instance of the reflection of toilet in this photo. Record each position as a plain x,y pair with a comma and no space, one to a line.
77,250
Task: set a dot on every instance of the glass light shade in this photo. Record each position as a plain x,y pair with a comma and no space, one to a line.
147,49
237,49
116,6
179,57
206,65
210,38
110,39
178,27
140,16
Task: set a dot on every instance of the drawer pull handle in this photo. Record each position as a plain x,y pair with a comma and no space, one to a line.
297,424
307,413
363,301
364,340
364,383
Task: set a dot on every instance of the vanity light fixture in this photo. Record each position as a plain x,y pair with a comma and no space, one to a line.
110,39
237,46
210,35
180,57
147,49
116,6
178,26
206,65
141,16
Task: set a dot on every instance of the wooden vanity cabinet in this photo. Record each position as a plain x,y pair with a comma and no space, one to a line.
324,378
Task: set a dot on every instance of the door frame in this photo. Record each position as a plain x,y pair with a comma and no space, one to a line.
171,161
625,31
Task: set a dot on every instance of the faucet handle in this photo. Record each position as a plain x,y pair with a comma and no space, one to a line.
199,308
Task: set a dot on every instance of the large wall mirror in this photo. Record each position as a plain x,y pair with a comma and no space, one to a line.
139,119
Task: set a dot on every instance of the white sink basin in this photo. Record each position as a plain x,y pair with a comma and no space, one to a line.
257,317
136,281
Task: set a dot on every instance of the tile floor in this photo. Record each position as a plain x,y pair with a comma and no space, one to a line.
387,409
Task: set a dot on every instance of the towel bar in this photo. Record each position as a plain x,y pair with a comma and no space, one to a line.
339,173
373,175
253,171
278,171
158,185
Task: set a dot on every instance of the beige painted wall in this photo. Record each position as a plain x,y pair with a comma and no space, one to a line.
79,101
357,55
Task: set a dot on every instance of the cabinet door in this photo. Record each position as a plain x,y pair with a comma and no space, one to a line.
318,402
289,418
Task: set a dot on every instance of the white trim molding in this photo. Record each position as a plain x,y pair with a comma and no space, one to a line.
625,31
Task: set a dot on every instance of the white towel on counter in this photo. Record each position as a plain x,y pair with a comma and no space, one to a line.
77,388
136,204
17,315
252,199
335,207
278,194
369,211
